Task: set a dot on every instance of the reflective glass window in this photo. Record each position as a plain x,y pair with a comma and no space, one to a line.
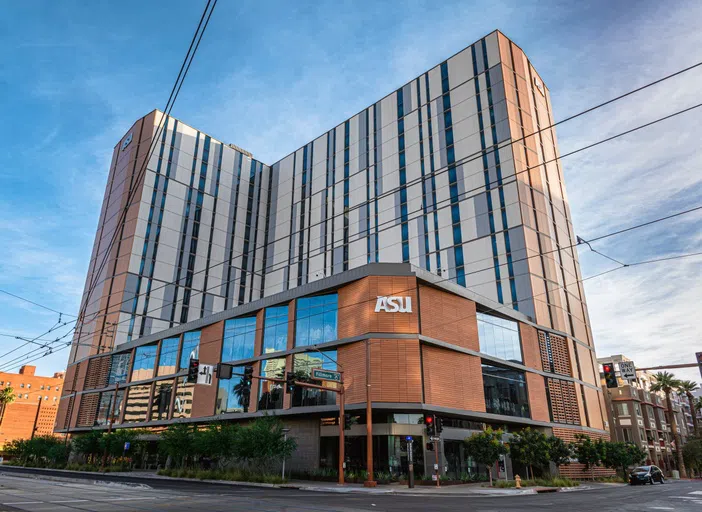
316,320
275,332
499,337
168,358
191,348
230,392
270,394
239,336
183,405
161,403
144,361
302,366
137,403
505,391
105,407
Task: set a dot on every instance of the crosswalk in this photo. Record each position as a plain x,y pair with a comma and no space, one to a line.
693,497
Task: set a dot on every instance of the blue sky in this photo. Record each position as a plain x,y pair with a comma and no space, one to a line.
270,76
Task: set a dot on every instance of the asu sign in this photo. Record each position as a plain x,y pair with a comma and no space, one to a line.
394,304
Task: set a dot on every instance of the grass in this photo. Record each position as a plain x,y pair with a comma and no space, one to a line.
611,479
231,475
538,482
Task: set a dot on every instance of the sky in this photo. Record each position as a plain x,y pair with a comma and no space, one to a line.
271,76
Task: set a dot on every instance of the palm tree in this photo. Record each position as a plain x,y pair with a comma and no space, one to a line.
7,396
686,387
667,383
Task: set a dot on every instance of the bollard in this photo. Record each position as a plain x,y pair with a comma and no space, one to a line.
518,482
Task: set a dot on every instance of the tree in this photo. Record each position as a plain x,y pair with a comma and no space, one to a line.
559,452
687,387
7,396
692,453
486,447
587,452
262,443
89,445
218,442
178,442
530,447
617,455
667,383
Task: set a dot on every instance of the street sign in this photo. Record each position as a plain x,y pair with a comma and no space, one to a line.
204,374
627,370
320,374
127,444
408,438
434,477
435,438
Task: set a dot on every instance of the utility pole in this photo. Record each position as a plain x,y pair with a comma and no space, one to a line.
110,415
369,422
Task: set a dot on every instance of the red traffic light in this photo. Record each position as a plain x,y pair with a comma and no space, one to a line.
429,419
607,367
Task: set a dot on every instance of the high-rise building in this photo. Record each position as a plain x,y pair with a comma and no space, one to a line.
33,410
450,185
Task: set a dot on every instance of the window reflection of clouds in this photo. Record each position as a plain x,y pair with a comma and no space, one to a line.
191,346
168,357
275,335
499,337
316,320
239,336
229,392
144,361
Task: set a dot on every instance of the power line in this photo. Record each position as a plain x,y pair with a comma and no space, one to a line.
36,303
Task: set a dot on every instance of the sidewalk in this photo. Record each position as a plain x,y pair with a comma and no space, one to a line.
144,478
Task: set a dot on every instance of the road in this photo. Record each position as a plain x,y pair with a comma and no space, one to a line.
64,495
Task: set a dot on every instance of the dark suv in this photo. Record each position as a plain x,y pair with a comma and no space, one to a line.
646,475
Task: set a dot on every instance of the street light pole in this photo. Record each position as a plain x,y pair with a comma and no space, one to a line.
285,434
369,423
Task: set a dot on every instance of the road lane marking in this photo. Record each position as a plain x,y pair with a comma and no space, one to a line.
23,503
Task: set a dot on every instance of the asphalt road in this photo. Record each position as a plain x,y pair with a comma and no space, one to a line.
42,494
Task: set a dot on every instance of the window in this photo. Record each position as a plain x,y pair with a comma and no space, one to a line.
119,367
499,337
627,435
46,398
22,385
637,407
41,388
29,386
302,366
54,399
144,362
57,388
316,320
161,403
275,333
137,403
26,395
105,407
270,394
505,391
239,336
183,405
168,358
191,346
623,409
230,392
407,419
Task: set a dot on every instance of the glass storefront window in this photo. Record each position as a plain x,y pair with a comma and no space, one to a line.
230,393
275,333
316,320
191,348
119,368
144,361
239,336
302,366
408,419
270,394
105,407
168,358
505,391
161,403
137,403
499,337
183,405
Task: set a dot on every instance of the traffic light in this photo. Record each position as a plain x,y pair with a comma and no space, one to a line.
224,371
609,376
429,423
193,369
248,376
430,447
289,382
348,421
439,426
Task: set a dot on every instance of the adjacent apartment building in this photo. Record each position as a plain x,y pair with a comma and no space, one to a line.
638,415
446,195
33,411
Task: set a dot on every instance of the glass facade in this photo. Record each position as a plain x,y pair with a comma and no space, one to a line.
168,358
239,337
144,362
183,405
191,348
275,333
505,391
230,393
105,407
137,403
119,368
316,320
270,394
499,337
161,403
302,366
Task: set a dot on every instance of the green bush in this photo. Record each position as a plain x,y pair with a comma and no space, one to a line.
232,475
538,482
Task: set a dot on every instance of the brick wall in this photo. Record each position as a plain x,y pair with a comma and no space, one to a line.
530,346
452,379
575,469
204,396
538,404
448,318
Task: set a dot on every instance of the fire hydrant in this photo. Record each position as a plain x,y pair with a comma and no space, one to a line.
517,482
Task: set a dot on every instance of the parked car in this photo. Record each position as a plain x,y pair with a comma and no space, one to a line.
646,475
